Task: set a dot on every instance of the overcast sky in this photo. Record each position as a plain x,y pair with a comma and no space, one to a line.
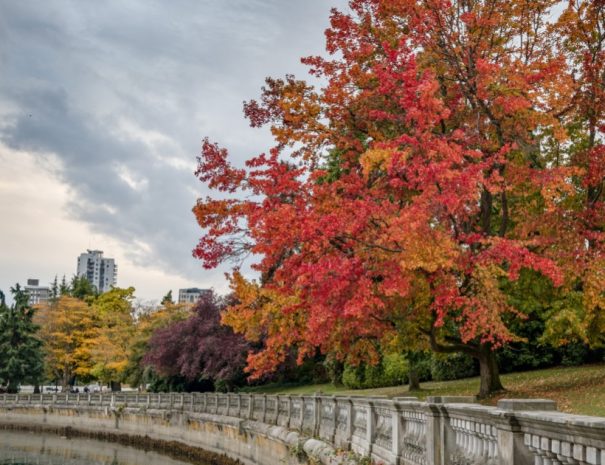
102,109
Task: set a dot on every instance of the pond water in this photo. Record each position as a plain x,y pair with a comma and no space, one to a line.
22,448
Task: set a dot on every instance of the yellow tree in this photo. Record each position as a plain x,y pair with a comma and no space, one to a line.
146,323
113,343
67,329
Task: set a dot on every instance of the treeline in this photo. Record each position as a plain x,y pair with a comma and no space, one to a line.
80,336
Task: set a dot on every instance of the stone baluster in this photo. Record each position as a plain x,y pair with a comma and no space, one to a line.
301,414
549,451
396,432
370,426
264,408
289,409
250,411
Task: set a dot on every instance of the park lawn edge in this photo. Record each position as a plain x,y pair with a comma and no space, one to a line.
578,389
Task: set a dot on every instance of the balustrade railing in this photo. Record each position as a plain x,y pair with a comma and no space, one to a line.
399,431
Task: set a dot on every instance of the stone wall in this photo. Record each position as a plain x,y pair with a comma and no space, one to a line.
272,430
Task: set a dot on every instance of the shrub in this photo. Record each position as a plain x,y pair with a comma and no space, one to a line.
525,356
391,371
421,362
372,376
352,376
395,369
449,367
573,354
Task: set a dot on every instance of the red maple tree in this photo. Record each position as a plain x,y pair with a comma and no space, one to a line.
434,165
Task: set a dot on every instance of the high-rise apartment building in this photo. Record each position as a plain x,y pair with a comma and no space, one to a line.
192,295
101,272
37,294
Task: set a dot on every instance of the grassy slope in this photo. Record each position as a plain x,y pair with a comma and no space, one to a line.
576,389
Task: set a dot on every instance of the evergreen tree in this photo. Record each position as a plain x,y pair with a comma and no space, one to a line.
22,360
54,289
64,287
167,299
81,288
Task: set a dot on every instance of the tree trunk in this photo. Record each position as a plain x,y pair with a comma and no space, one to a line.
413,376
488,370
37,389
65,380
115,386
13,387
414,380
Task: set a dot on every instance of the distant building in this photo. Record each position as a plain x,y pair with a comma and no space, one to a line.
192,295
37,294
101,272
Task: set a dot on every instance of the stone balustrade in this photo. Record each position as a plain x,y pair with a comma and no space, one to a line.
398,431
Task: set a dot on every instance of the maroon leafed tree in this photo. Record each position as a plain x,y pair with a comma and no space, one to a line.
199,347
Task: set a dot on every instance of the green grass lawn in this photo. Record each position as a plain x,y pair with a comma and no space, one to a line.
575,389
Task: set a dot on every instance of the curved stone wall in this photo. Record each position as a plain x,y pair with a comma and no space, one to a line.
272,430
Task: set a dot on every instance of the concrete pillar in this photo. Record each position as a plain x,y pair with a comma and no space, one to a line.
511,446
434,439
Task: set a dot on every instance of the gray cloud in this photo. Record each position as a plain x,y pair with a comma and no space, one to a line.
123,91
